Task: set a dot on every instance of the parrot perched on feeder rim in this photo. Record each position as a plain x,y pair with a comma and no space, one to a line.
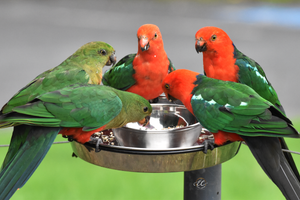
77,111
222,60
82,67
236,109
142,73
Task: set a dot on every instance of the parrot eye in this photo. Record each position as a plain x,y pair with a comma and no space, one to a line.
102,52
145,109
213,38
167,86
155,35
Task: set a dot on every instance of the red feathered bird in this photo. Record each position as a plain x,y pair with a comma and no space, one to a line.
222,60
142,73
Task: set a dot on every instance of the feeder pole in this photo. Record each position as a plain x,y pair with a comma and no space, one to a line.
204,184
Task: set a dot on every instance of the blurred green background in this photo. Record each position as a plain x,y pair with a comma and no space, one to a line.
63,177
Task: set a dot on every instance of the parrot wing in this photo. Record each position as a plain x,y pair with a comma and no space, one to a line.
171,67
120,75
252,74
50,80
89,106
236,108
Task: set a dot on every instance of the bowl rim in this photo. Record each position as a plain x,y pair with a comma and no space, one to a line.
166,130
192,126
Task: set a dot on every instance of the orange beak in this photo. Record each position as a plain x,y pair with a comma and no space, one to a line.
144,43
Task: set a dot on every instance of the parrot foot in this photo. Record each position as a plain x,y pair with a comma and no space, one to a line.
154,100
70,138
208,144
97,142
206,138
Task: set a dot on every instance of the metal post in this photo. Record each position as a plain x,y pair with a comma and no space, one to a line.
204,184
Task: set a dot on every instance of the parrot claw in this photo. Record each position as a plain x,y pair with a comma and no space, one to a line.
208,144
207,139
70,138
98,141
98,144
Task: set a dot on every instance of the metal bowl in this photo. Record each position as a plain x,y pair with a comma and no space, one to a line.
170,126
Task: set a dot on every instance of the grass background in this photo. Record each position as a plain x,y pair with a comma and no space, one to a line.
61,176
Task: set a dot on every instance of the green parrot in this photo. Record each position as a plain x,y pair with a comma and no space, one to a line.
82,67
78,111
235,112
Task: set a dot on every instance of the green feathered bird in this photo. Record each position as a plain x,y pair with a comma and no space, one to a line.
83,67
77,111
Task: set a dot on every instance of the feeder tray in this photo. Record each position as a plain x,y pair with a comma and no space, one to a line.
171,142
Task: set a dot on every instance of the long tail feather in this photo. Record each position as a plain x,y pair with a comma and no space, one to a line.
268,153
19,165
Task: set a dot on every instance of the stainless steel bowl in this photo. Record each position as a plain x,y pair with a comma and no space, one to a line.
171,126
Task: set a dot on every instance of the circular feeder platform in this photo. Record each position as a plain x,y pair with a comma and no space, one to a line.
154,160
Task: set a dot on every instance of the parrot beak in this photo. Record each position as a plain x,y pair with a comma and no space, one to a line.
200,46
145,121
170,98
144,43
112,60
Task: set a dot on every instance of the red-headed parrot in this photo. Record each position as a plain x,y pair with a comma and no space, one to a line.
142,73
243,115
222,60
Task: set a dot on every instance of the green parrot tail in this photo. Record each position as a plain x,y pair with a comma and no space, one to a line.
29,145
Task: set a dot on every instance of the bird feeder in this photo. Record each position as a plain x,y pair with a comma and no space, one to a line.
171,142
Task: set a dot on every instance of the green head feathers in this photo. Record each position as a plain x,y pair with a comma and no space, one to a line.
96,51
